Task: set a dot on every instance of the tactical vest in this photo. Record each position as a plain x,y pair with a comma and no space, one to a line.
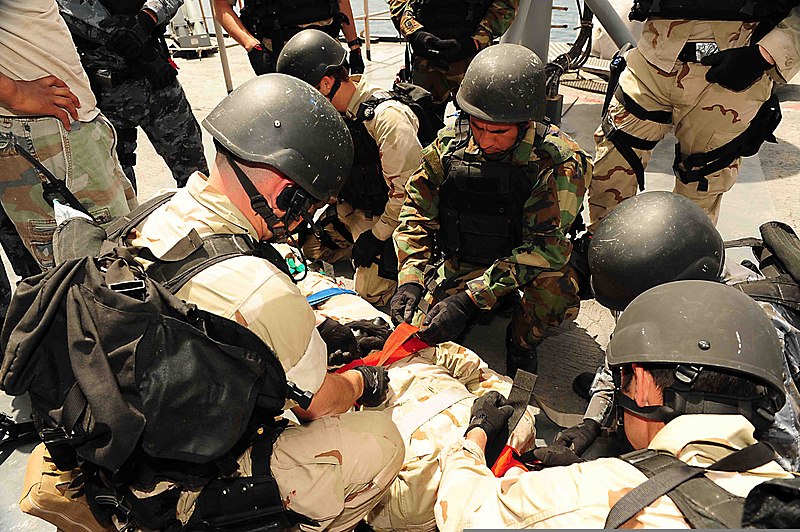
123,7
265,18
744,10
480,207
365,187
451,19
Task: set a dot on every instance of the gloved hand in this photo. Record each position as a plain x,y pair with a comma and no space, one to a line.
461,49
556,455
580,437
371,335
376,385
491,413
160,70
131,34
261,60
404,302
736,68
447,319
356,61
429,46
366,247
340,341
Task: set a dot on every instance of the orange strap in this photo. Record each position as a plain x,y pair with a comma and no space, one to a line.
397,347
506,461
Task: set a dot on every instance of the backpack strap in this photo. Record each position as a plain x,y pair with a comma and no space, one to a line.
703,502
120,227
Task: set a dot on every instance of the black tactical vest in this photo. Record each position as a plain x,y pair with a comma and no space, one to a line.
123,7
265,18
452,19
480,208
744,10
365,188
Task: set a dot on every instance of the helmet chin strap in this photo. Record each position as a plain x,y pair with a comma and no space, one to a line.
257,201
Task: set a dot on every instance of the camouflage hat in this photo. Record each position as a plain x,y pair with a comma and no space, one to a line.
285,123
504,83
309,54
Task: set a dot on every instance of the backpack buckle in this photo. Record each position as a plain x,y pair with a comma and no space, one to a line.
135,289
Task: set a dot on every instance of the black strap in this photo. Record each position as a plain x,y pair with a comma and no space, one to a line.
120,227
519,397
257,201
661,117
624,143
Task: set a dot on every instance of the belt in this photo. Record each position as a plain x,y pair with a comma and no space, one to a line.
694,52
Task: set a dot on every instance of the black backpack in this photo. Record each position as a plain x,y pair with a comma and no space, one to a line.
418,99
136,386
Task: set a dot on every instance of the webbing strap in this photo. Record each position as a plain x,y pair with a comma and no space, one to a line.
120,227
519,397
323,295
660,117
426,410
625,143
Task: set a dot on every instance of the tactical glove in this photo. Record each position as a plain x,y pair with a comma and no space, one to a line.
340,341
371,335
429,46
459,49
376,385
736,68
448,319
366,248
580,437
356,61
491,413
556,455
404,302
261,60
132,35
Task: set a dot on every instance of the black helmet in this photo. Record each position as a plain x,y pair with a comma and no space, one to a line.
703,324
282,122
309,54
504,83
651,239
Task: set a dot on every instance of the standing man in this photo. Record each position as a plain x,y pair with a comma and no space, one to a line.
266,25
705,69
387,151
697,365
123,51
495,197
445,35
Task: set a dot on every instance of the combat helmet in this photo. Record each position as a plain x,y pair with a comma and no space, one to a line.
651,239
280,121
309,55
504,83
697,325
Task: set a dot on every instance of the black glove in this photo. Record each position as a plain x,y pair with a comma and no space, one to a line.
458,49
376,385
261,60
340,341
447,319
580,437
131,35
556,455
429,46
371,335
736,68
491,413
404,302
356,61
365,249
160,71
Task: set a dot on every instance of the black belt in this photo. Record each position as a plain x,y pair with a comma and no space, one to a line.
694,52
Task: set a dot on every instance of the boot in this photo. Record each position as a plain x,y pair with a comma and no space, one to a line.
518,358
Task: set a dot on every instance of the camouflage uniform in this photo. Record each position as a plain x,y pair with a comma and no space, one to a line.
581,495
137,97
430,398
442,82
539,267
704,115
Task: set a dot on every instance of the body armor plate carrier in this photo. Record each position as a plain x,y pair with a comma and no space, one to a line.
269,18
365,188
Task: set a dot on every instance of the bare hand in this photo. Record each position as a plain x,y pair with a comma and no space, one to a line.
47,96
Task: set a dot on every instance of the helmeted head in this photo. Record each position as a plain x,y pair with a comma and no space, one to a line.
505,84
310,55
710,348
651,239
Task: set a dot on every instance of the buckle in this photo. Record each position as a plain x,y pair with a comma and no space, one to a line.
687,374
639,456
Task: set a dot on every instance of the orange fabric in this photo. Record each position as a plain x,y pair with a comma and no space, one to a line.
506,461
397,347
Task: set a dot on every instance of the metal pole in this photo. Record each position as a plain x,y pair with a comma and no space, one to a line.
366,29
223,53
611,22
531,27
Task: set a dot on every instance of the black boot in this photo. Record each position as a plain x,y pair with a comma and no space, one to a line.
518,358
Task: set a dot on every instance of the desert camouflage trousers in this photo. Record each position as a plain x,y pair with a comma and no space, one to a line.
705,116
549,300
84,157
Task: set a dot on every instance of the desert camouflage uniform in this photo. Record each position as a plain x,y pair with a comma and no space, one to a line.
581,495
539,267
334,469
159,107
705,115
442,82
431,394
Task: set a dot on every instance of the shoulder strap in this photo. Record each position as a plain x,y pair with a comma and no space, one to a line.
703,502
123,225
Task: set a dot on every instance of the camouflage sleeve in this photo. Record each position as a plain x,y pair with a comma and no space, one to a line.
87,21
164,10
783,44
402,13
497,20
413,238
